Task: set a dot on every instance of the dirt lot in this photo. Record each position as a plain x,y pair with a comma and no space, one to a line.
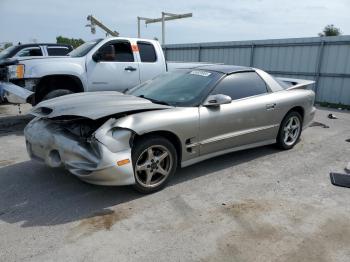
256,205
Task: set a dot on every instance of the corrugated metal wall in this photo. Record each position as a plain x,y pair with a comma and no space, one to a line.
325,60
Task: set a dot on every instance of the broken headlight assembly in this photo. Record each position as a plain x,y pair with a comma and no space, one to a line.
114,138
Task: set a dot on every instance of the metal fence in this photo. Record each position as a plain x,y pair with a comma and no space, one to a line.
323,59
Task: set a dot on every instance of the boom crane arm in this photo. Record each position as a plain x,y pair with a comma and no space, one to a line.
94,22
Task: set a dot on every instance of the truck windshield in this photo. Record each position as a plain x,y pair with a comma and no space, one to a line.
178,88
84,48
6,52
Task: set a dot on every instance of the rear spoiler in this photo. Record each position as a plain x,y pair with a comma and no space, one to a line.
293,83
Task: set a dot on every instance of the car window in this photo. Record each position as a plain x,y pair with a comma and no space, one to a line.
57,51
117,52
240,85
147,52
29,51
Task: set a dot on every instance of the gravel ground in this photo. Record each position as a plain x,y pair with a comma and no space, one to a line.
256,205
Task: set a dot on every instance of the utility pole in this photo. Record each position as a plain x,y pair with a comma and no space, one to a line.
94,22
165,17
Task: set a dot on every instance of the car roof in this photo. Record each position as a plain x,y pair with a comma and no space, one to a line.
225,69
39,44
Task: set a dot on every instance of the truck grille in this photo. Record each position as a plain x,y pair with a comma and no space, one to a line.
3,74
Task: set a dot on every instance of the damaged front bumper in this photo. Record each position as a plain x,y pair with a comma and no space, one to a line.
91,161
14,93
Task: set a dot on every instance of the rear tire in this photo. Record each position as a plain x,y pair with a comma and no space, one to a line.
290,130
155,161
57,93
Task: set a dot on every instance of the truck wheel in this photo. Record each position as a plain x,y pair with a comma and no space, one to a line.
57,93
155,161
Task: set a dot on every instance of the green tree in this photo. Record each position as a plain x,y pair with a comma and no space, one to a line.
69,41
330,30
6,45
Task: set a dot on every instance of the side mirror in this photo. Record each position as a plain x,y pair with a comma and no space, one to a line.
96,57
217,100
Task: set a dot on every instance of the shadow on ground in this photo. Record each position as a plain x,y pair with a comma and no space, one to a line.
37,195
13,125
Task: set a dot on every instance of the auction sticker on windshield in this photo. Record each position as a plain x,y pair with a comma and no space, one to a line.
200,73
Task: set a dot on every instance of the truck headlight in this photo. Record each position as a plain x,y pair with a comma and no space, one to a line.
16,71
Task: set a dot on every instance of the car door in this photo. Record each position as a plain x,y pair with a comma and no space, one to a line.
250,118
151,64
114,67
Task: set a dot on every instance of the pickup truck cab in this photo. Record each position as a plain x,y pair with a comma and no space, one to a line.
103,64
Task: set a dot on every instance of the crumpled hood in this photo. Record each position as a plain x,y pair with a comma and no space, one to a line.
93,105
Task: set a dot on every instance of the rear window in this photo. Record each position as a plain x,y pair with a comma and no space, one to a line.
147,52
57,51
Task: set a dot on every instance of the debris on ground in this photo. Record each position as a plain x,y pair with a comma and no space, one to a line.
338,179
318,124
332,116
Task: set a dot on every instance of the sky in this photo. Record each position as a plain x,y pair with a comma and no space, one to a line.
212,21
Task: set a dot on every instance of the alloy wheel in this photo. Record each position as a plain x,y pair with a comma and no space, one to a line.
153,166
291,130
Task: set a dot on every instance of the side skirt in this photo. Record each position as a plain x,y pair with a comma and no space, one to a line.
226,151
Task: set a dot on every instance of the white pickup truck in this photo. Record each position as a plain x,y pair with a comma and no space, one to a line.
104,64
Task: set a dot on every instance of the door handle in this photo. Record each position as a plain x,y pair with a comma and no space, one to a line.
130,68
271,106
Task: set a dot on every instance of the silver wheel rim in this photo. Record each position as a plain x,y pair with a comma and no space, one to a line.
153,166
291,131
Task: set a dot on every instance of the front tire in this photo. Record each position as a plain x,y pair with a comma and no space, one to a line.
155,161
290,130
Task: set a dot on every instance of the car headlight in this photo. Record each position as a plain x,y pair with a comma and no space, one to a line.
16,71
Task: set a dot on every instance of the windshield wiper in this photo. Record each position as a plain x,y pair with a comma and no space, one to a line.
155,100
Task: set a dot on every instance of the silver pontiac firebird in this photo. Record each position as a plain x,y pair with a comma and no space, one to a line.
177,119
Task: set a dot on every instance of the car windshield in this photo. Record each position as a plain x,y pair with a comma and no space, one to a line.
177,88
5,53
84,48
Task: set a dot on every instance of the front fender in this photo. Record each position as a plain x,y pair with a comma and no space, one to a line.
182,122
41,68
